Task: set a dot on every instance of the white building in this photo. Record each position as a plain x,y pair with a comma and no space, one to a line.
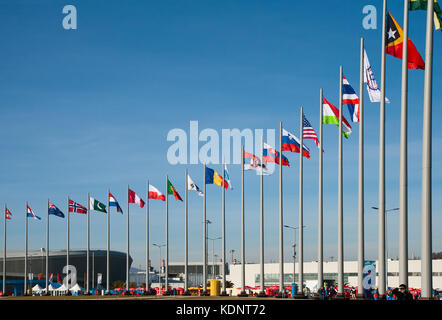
271,274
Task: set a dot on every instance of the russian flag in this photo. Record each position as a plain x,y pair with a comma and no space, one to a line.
271,155
31,214
291,143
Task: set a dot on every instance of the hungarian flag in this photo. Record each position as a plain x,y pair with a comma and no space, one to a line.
134,198
76,207
96,205
155,194
394,41
422,5
330,115
8,214
171,190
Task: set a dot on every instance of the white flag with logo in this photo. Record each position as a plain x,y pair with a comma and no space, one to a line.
372,87
192,186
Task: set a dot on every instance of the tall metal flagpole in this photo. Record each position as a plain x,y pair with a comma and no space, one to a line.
88,242
426,267
108,244
186,238
301,209
261,240
4,254
204,238
47,248
320,202
223,203
67,236
243,240
381,201
127,241
340,207
26,248
361,252
281,223
403,176
147,239
167,240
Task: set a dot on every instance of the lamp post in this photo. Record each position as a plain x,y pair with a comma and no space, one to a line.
294,250
213,254
159,266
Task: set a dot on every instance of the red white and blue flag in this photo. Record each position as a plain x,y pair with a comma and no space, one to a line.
350,98
76,207
291,143
114,203
252,162
31,214
52,209
8,214
307,131
271,155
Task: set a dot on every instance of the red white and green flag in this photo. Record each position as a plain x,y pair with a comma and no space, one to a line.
172,191
330,115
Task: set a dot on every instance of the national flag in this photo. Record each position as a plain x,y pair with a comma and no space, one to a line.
422,5
350,98
192,186
114,203
171,190
394,41
252,162
227,176
155,194
134,198
212,177
76,207
8,214
307,131
330,115
52,209
291,143
96,205
271,155
373,90
31,214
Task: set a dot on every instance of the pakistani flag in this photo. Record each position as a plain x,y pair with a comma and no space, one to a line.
422,5
97,205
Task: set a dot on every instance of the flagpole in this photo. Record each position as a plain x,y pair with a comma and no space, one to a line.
47,248
320,200
147,240
108,243
243,241
340,202
361,252
67,242
381,201
167,239
4,255
426,234
223,204
301,212
26,247
127,241
281,248
262,293
186,238
88,243
204,238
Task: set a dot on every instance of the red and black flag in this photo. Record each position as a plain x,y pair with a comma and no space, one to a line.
394,41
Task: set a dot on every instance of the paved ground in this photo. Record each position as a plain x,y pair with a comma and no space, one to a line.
136,298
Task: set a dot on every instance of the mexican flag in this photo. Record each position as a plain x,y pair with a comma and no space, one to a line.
171,190
330,115
422,5
96,205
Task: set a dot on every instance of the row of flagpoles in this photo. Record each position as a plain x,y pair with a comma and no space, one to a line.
329,114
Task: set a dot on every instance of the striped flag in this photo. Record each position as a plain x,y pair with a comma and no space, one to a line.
331,116
350,98
31,214
8,214
307,131
114,203
134,198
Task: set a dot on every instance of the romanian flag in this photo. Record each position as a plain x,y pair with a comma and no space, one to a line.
212,177
422,5
171,190
394,40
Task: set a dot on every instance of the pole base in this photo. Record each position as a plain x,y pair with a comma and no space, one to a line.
299,295
280,295
243,294
340,296
186,293
262,294
223,294
315,296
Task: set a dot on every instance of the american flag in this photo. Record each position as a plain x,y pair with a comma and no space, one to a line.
307,131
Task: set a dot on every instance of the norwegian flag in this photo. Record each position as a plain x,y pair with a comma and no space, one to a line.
307,131
8,214
76,207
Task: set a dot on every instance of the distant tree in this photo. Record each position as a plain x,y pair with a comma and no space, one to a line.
118,284
229,284
437,255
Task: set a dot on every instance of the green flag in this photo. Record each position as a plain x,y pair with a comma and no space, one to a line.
422,5
97,205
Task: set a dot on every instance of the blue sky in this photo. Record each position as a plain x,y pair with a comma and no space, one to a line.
89,109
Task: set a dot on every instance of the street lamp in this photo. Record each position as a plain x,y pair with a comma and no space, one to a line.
232,251
294,249
213,254
159,267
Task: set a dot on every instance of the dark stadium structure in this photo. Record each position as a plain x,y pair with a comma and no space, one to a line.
15,264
